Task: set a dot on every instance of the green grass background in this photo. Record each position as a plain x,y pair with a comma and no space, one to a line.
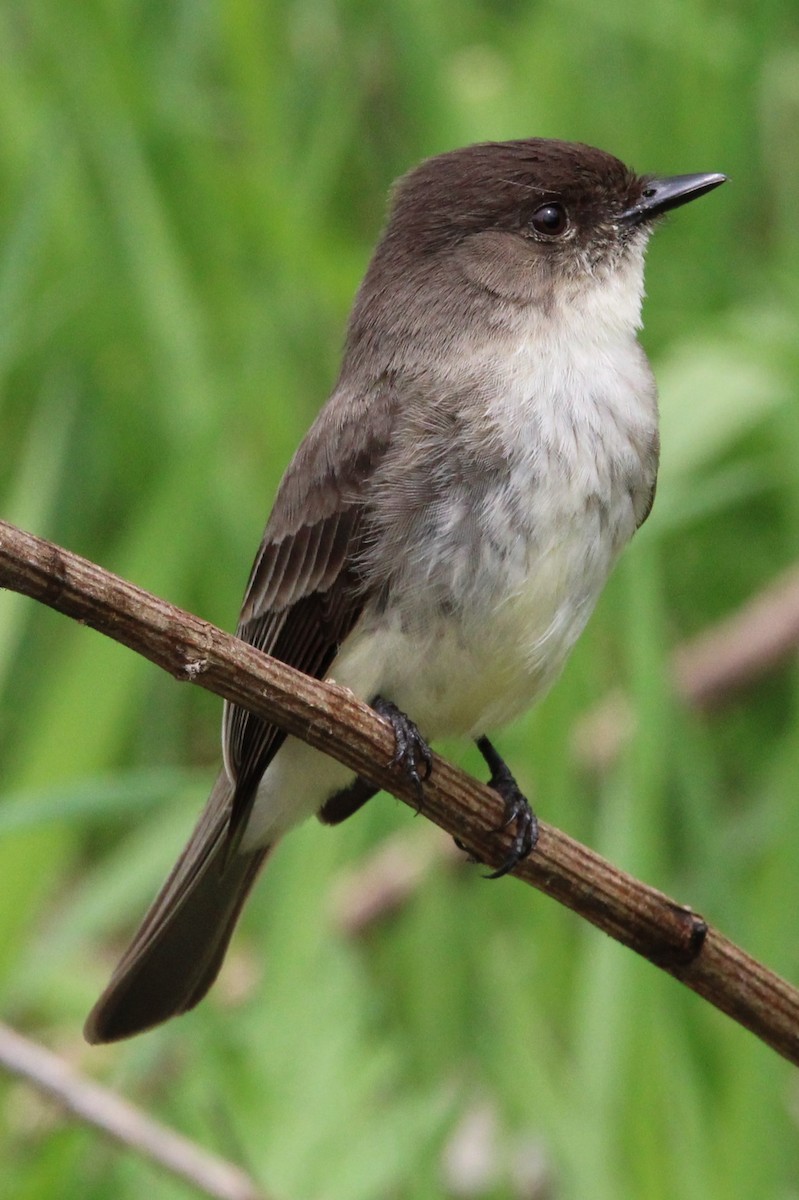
189,192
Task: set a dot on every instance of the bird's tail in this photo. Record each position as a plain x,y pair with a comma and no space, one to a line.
178,950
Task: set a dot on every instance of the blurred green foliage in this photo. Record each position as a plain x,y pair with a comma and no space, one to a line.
188,195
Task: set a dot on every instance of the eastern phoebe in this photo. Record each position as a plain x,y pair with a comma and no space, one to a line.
441,536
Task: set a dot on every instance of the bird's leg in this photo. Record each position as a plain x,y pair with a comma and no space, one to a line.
346,802
517,808
411,751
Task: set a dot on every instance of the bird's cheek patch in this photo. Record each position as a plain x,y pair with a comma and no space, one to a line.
506,265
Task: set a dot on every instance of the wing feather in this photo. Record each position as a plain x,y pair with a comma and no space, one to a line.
305,591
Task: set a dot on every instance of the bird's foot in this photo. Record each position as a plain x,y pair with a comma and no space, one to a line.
517,809
412,755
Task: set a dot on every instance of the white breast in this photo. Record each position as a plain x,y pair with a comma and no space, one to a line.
542,543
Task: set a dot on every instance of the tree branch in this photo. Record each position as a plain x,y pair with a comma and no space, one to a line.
122,1121
333,720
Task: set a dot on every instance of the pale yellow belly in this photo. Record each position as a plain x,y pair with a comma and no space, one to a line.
470,676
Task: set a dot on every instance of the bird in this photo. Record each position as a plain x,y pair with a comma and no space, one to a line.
442,533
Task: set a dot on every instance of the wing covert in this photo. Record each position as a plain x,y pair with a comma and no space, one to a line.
305,592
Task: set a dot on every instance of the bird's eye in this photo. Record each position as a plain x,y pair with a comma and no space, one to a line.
550,219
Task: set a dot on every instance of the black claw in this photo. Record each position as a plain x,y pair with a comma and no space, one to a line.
524,841
517,809
411,751
471,857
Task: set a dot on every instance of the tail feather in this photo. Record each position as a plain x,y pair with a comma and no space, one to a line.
178,950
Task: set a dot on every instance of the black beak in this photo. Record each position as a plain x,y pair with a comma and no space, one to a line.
660,195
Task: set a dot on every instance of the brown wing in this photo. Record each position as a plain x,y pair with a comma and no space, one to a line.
304,594
302,599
